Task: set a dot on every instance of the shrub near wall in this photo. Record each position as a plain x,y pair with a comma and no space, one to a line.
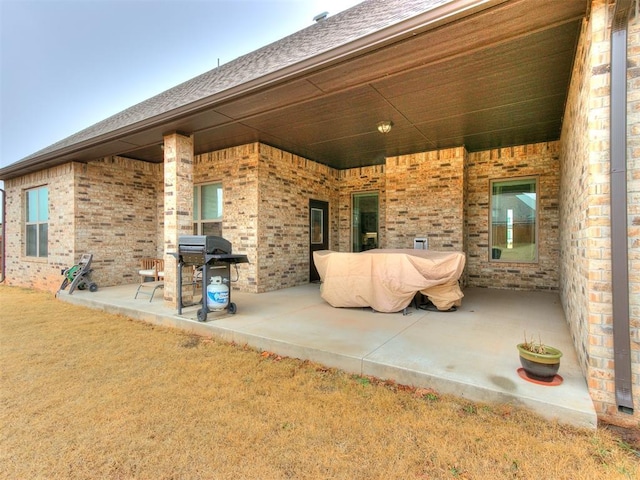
541,160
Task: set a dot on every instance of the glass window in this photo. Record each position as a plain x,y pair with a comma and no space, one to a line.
207,209
364,223
514,220
317,223
37,222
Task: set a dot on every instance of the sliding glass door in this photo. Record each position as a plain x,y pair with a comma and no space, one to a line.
364,225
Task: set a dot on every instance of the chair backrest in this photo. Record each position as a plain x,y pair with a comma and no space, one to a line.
160,268
147,263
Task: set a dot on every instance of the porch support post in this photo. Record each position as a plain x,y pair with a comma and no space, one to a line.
178,205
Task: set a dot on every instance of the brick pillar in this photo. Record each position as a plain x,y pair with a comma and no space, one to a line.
178,205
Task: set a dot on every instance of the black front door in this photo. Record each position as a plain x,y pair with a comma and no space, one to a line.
318,233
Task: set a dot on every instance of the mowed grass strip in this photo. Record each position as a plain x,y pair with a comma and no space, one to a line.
89,395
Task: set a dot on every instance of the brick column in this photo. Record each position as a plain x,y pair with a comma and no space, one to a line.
178,205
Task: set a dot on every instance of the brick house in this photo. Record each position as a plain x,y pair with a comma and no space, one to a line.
499,147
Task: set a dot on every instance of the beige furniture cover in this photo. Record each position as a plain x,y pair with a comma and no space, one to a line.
388,279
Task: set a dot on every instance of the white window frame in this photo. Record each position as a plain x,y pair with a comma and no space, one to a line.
36,219
504,253
199,223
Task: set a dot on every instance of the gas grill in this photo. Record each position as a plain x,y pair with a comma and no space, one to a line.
214,257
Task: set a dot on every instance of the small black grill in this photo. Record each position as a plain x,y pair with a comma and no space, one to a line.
210,255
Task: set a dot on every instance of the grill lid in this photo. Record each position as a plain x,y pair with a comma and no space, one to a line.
209,244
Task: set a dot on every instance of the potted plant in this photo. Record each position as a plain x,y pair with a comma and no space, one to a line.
539,361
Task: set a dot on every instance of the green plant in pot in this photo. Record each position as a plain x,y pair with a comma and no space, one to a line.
539,361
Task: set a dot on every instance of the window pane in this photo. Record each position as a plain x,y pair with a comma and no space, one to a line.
211,202
365,221
32,240
32,206
513,220
43,241
316,226
43,204
37,216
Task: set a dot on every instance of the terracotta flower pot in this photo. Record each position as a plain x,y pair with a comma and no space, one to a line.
540,366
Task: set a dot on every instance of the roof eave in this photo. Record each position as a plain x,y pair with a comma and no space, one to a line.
431,19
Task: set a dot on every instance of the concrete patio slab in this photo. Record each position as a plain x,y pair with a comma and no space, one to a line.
470,353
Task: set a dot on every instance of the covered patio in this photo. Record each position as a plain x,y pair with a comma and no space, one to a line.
469,353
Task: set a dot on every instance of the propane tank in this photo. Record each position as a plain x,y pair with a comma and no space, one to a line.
217,294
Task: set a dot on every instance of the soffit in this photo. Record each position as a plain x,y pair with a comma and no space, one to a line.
497,79
493,79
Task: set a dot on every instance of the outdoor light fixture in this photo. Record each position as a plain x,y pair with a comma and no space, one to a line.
385,127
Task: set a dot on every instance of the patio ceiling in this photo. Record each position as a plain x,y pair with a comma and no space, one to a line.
490,76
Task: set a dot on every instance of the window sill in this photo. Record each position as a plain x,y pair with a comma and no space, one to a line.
43,260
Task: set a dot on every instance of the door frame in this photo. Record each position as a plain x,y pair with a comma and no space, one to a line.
318,233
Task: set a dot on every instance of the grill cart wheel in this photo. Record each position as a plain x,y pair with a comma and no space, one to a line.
232,309
202,315
93,287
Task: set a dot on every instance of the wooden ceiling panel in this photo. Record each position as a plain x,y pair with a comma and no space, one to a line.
369,149
494,26
223,137
152,153
534,58
342,125
267,100
505,137
431,104
354,102
470,124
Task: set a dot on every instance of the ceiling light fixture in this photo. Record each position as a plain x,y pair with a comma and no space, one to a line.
385,127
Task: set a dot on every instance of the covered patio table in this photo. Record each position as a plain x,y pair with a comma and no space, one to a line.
387,280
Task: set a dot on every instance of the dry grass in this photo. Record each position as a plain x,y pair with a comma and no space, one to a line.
87,395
